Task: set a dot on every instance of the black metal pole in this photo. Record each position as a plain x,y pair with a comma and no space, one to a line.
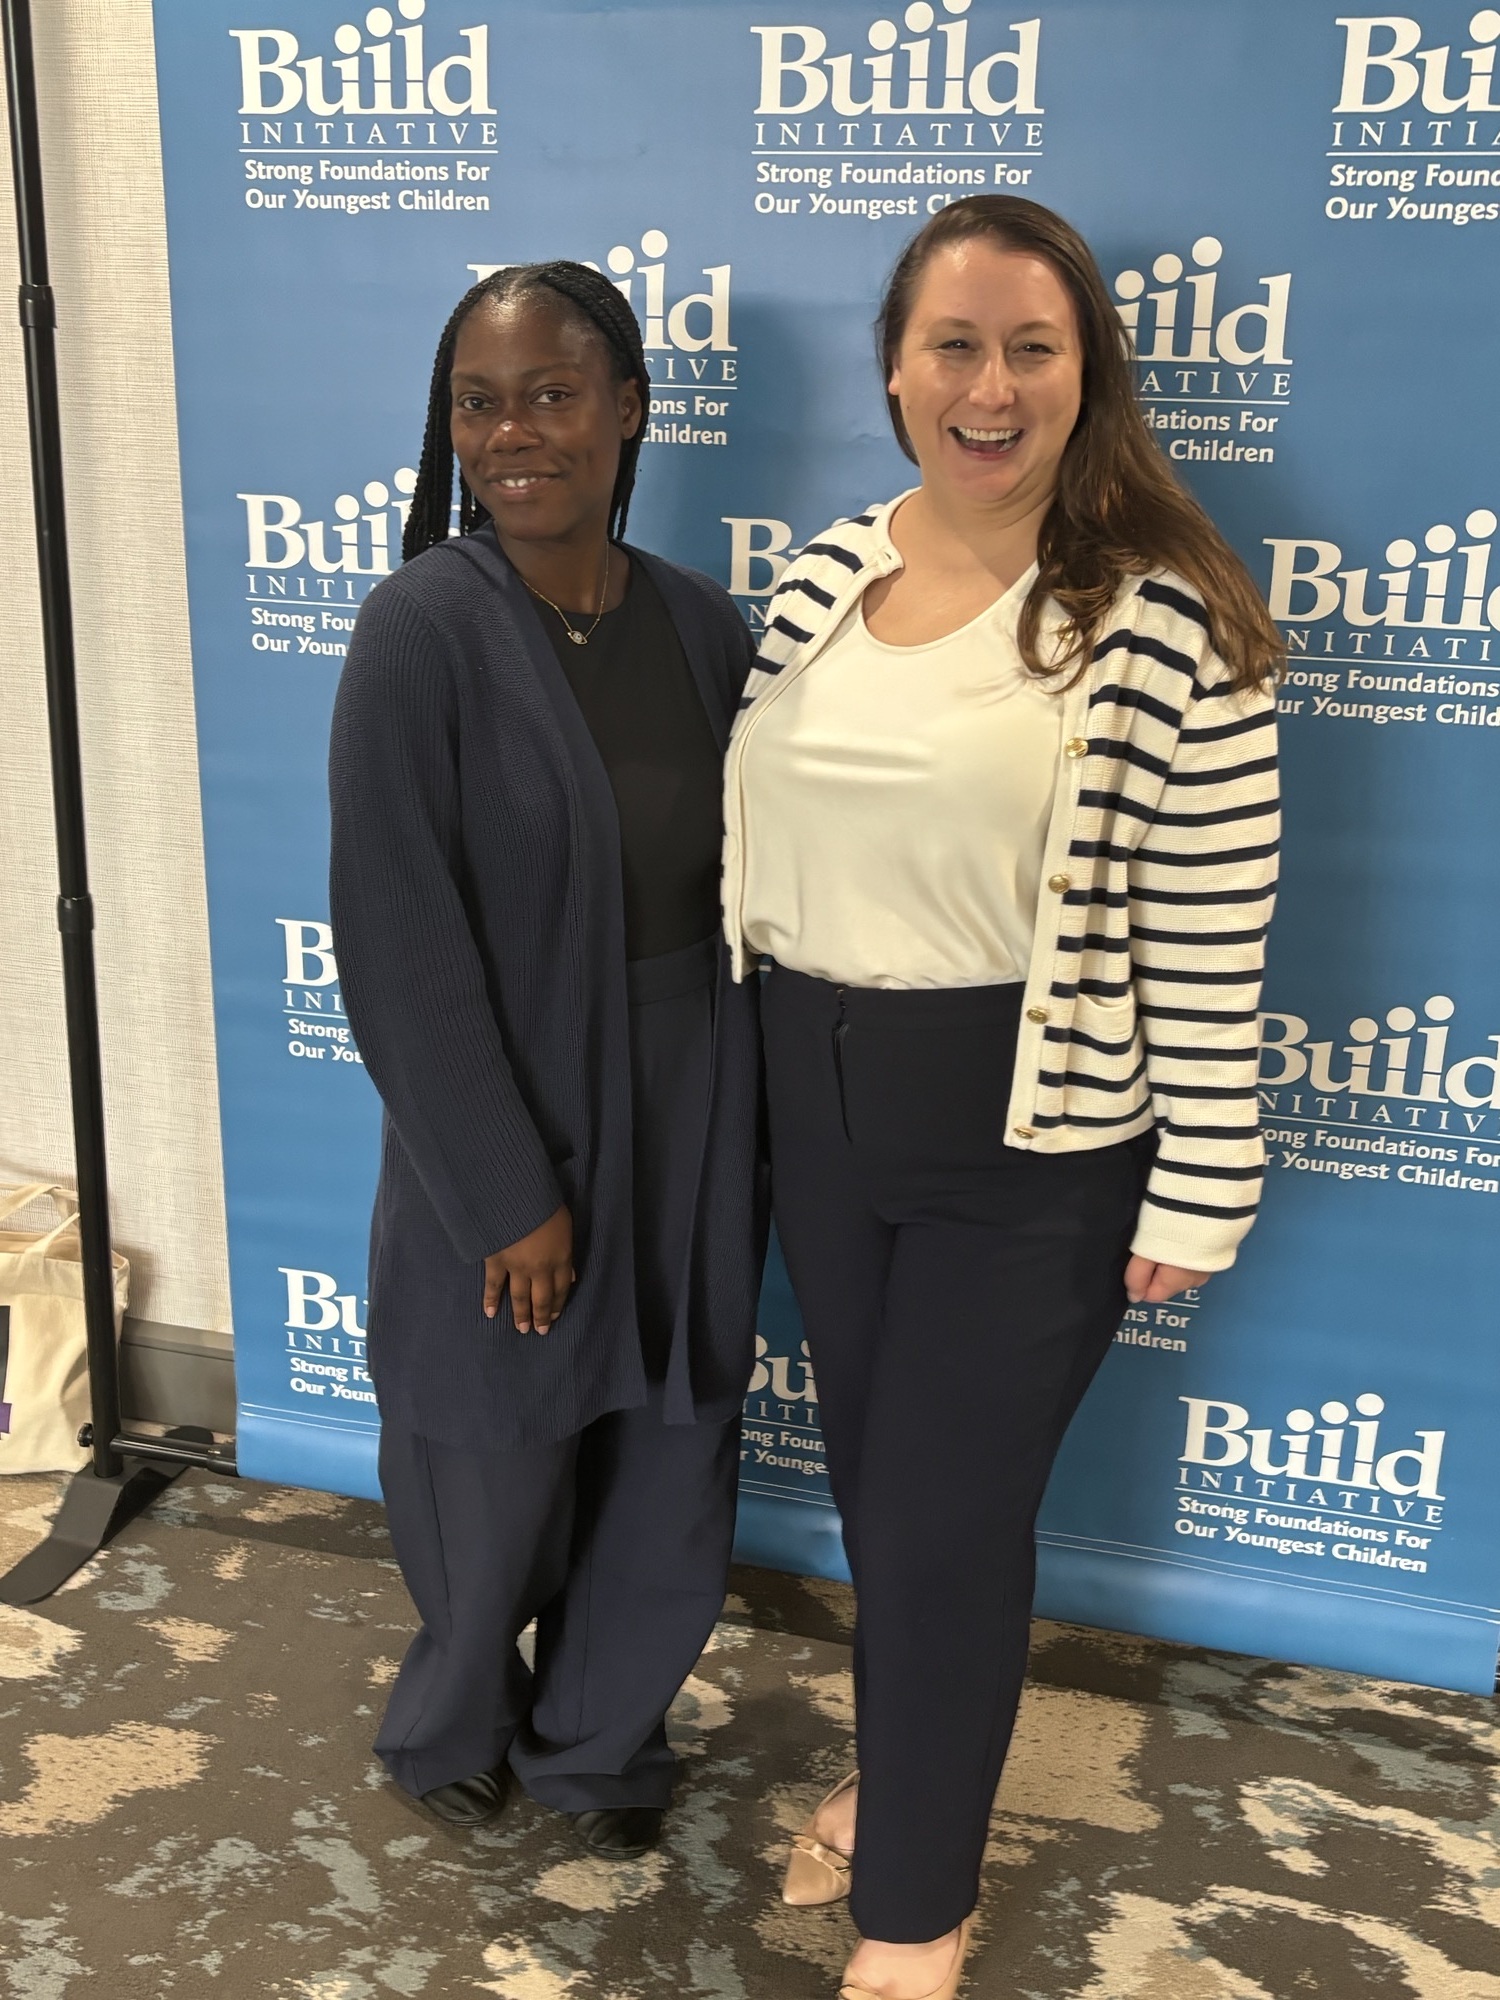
99,1501
75,909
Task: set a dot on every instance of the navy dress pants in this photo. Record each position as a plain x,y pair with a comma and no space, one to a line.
615,1540
958,1297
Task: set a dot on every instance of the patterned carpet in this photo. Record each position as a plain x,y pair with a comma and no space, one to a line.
188,1806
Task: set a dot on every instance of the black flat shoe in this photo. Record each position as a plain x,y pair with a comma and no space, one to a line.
469,1801
619,1833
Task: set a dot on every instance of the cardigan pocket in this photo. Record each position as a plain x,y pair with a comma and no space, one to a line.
1104,1011
1108,1029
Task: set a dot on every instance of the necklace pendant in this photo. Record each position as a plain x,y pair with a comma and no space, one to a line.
578,638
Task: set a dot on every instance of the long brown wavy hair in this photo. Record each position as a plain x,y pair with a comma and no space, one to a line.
1118,510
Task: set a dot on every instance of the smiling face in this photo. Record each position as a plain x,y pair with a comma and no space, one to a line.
989,375
538,417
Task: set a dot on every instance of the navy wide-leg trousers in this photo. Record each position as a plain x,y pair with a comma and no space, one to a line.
616,1540
958,1297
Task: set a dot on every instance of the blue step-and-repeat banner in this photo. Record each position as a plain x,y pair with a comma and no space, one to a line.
1298,210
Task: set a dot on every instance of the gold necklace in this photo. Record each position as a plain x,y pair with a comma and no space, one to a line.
578,638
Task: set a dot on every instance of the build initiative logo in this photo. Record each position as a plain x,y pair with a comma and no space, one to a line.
1325,1486
1411,1097
325,1340
378,71
310,553
938,103
1416,121
312,1009
1215,378
1407,635
378,122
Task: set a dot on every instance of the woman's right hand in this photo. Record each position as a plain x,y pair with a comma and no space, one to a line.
538,1272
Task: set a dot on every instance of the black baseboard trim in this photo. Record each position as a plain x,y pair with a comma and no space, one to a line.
177,1375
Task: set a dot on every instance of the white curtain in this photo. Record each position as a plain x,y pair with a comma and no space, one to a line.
102,165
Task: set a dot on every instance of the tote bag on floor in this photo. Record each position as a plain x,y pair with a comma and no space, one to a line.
44,1376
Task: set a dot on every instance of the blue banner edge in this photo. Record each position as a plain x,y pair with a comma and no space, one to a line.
1157,1599
329,1458
802,1537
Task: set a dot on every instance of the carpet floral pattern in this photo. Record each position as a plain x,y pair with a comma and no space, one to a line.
189,1807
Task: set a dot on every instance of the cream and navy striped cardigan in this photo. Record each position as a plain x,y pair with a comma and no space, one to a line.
1160,871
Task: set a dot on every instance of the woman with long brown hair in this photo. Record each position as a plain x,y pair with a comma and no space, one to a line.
1002,811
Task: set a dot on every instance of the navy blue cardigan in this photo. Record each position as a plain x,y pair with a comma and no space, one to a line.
479,927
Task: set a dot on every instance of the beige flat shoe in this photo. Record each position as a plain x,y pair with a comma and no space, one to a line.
854,1989
815,1873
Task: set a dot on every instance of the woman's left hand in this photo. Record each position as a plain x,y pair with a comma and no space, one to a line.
1149,1284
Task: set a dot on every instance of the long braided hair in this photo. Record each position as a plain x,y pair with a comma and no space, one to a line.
590,295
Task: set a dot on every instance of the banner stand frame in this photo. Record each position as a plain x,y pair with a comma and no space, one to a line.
128,1469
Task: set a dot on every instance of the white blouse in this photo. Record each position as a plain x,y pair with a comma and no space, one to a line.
895,807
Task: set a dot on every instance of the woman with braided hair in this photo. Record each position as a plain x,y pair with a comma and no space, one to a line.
570,1221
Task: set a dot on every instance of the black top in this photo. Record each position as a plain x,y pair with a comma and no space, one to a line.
643,709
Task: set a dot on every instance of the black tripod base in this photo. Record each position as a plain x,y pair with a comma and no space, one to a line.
94,1510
